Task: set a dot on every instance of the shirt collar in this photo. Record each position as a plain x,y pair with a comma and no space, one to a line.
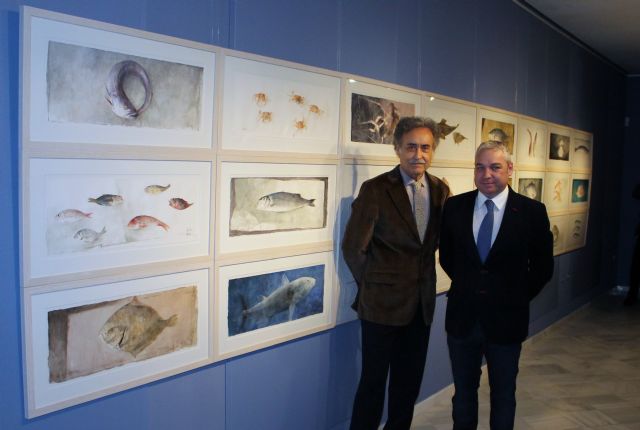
407,180
500,201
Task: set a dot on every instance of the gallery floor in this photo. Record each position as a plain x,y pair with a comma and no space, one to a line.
581,373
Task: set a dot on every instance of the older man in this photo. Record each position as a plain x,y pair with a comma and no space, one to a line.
389,246
496,247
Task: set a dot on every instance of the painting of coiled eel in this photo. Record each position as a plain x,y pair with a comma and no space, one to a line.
87,339
374,119
274,298
269,204
94,86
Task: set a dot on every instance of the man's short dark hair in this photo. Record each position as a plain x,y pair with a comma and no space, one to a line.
408,123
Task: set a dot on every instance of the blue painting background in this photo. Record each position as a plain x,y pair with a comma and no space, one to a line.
574,188
250,290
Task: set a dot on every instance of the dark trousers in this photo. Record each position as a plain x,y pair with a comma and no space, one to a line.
400,352
466,361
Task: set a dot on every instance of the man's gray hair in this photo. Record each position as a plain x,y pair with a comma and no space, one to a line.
408,123
495,146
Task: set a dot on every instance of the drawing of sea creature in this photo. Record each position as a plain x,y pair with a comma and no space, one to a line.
315,109
143,221
178,203
261,99
89,236
498,135
458,137
445,129
580,191
283,202
134,327
156,189
557,190
265,116
555,231
286,296
532,143
107,200
300,125
530,190
296,98
117,98
581,148
72,215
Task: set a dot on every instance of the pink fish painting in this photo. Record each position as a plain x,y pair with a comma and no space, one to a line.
72,215
144,221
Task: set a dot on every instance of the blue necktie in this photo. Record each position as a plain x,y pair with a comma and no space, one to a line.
485,232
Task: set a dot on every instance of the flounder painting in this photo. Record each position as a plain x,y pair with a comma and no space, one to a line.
274,298
264,205
87,339
87,85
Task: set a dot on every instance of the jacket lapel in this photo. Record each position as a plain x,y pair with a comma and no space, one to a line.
507,225
398,194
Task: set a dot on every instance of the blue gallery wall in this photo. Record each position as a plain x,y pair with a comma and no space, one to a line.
490,52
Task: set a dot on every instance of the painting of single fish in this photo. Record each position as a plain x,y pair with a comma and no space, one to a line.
116,96
531,187
274,298
133,327
499,131
283,202
179,204
72,215
445,129
107,200
144,221
89,236
458,137
156,189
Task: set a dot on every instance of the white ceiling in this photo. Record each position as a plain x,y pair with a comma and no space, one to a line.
609,27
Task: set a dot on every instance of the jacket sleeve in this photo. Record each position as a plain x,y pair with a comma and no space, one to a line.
359,230
540,251
446,239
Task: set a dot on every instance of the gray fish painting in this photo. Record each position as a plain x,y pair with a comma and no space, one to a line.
156,189
283,298
283,201
116,96
134,327
89,236
107,200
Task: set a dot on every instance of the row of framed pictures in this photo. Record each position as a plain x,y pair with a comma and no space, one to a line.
182,203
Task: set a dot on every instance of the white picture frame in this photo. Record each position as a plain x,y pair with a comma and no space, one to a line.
559,149
268,107
85,61
272,325
88,215
580,190
557,192
559,225
530,184
532,144
577,227
44,396
581,152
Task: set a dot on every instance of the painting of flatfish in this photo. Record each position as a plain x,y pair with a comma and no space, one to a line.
87,339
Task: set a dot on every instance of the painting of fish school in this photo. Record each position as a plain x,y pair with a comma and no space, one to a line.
87,339
271,204
374,119
93,86
275,298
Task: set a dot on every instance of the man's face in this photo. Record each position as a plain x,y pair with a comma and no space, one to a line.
415,151
492,172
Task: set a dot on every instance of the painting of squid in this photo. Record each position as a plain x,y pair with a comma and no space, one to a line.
95,214
274,298
270,204
88,85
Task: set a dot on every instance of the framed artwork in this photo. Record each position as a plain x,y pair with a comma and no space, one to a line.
352,178
581,152
266,204
530,184
556,191
460,181
86,215
372,114
457,123
275,108
85,343
532,144
559,150
580,190
84,84
499,127
267,302
559,229
576,230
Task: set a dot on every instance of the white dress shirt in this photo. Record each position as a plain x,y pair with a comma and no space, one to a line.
480,210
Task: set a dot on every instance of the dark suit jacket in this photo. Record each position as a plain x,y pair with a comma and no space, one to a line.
519,264
394,271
